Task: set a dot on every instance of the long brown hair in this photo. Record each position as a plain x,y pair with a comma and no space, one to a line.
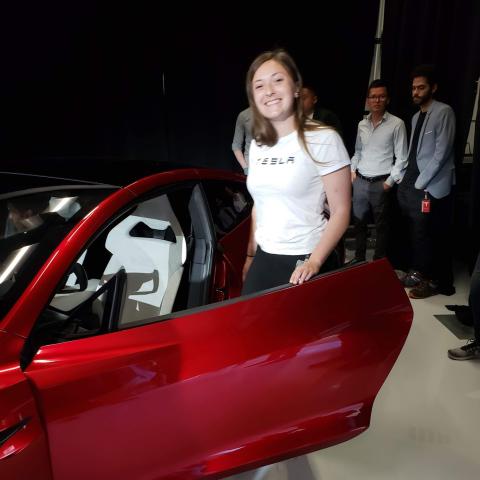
262,129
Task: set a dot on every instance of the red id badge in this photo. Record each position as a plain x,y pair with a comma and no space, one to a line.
426,204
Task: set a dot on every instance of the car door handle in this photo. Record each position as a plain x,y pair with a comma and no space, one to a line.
10,431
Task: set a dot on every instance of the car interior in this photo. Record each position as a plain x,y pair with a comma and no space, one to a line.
153,260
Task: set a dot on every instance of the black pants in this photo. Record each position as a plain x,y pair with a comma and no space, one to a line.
269,270
474,298
370,196
428,234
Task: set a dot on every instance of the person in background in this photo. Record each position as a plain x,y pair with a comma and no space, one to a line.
242,138
425,192
295,165
313,110
379,160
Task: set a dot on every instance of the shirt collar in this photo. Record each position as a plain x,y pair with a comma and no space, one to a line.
384,118
429,107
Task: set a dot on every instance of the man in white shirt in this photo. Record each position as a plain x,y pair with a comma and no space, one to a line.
380,157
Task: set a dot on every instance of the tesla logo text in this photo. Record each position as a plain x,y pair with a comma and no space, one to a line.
275,161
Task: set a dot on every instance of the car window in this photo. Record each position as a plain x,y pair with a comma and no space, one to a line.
154,259
31,227
229,202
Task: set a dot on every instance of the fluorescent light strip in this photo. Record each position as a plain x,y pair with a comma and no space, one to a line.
15,261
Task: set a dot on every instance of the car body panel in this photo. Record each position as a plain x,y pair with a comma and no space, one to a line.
224,388
23,443
206,392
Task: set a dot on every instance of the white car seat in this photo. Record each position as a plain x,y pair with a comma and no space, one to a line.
151,247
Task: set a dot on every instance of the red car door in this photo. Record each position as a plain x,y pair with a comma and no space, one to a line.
226,387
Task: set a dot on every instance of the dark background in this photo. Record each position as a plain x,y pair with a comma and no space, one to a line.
132,82
87,83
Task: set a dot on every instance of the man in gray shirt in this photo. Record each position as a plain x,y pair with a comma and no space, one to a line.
380,157
242,138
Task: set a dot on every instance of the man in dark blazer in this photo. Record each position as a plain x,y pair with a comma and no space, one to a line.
312,109
425,193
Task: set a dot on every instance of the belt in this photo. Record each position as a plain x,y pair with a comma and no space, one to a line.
378,178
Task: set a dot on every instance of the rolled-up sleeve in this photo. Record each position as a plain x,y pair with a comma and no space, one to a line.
358,150
401,154
239,135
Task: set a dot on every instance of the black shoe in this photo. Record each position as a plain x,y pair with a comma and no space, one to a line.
412,279
424,289
463,312
470,351
354,261
454,308
448,290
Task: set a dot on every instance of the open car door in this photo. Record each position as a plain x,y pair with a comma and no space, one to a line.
224,388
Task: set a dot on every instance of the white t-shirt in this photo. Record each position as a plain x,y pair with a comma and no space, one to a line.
288,191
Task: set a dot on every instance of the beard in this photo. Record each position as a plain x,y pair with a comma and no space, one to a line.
421,100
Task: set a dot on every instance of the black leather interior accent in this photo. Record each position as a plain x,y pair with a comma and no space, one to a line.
142,230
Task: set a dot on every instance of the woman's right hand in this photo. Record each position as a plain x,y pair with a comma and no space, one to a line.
246,267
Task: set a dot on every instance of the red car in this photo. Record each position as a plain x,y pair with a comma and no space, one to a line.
126,351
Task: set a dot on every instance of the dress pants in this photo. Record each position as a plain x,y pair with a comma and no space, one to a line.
429,234
474,298
370,196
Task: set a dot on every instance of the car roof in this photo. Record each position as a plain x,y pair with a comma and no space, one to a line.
16,175
17,182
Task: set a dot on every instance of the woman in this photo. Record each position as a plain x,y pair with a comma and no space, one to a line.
295,165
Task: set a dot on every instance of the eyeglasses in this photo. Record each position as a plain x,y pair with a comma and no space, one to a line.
381,98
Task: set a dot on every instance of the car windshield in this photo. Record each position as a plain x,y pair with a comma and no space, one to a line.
32,224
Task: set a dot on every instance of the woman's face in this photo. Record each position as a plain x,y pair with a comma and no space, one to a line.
273,91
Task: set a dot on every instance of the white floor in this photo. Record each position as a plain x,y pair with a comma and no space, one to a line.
425,420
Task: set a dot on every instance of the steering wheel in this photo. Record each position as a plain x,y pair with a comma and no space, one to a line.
82,278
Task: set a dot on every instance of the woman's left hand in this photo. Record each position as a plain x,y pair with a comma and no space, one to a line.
304,272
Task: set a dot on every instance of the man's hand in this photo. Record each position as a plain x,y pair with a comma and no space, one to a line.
386,186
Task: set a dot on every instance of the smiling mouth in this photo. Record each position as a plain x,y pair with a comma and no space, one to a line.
272,102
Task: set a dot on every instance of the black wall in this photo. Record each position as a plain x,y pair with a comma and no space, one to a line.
441,32
80,81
